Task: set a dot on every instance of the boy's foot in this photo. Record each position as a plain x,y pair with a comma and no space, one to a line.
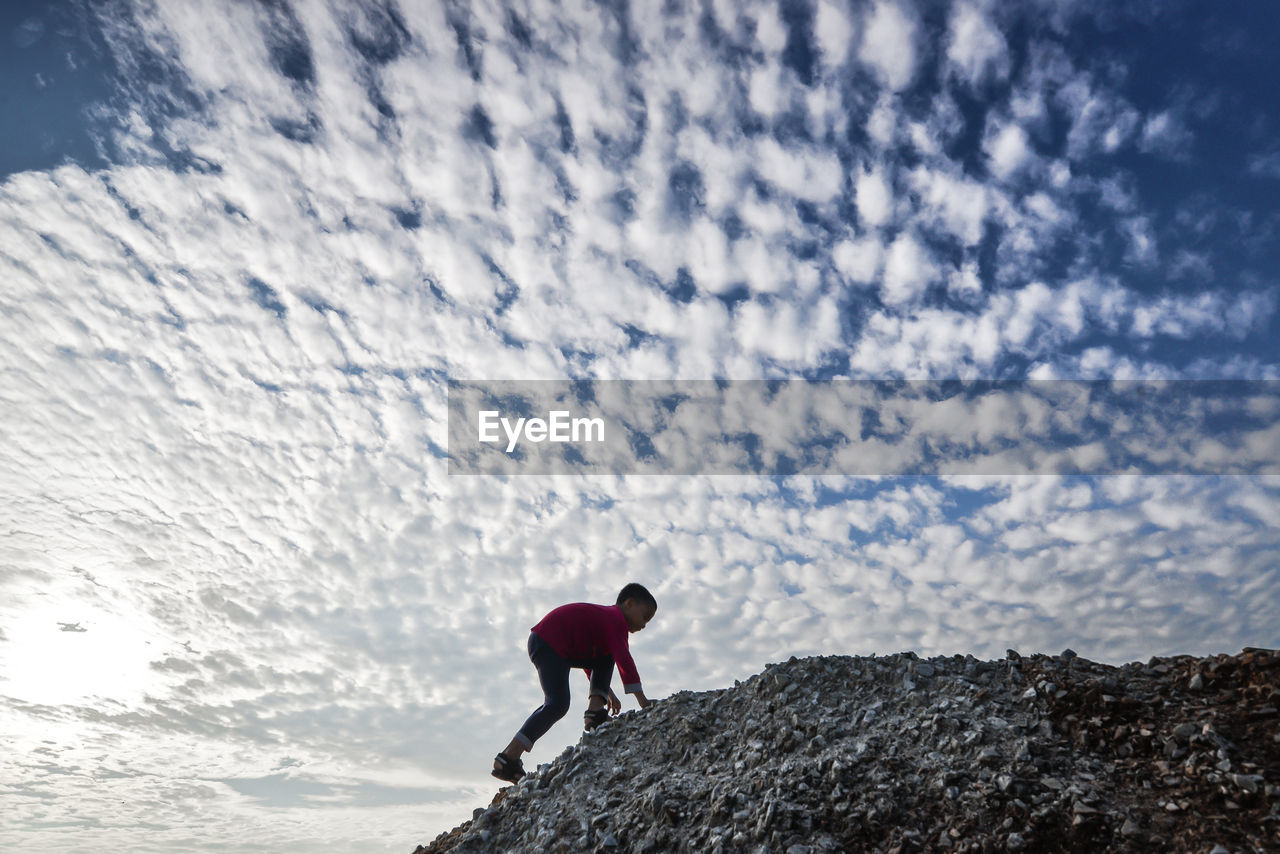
507,769
593,719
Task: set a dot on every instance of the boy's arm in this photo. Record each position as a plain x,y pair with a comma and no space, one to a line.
626,666
642,700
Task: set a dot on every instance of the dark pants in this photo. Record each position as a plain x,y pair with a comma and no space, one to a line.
553,674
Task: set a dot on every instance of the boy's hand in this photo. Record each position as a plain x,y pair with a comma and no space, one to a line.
644,701
615,705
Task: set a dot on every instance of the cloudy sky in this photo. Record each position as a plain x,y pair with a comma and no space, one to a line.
245,246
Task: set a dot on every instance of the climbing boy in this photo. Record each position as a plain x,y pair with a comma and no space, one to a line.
594,638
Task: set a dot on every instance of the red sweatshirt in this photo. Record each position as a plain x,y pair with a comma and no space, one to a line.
583,630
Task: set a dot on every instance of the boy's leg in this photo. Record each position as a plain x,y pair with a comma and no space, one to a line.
601,671
596,699
553,676
601,676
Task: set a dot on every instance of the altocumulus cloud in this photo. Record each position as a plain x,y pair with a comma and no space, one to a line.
225,355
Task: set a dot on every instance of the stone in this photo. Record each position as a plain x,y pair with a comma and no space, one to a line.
989,755
1248,782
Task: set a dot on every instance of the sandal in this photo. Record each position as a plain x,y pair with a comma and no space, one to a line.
591,720
512,769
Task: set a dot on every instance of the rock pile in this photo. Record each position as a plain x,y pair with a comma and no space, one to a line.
897,753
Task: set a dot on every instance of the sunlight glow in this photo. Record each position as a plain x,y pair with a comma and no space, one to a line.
69,651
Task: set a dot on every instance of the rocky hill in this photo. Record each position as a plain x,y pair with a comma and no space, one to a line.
898,753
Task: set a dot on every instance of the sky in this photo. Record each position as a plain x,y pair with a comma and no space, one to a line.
244,248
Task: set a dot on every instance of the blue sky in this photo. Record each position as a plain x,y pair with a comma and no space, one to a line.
243,248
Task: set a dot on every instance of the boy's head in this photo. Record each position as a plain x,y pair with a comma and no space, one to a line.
638,606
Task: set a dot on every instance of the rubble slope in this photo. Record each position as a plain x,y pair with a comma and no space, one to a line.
898,753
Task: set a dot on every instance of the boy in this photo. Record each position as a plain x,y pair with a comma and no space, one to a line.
593,637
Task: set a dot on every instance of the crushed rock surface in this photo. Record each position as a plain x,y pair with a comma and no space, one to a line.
898,753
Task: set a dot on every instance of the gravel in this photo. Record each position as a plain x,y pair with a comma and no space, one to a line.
897,753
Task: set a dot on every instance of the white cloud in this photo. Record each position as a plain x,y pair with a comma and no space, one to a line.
927,344
765,266
827,116
1164,133
1026,308
1007,148
1142,242
770,30
873,196
1265,165
1045,208
707,255
888,45
976,49
1191,315
788,334
833,30
956,203
925,138
724,167
908,270
858,260
965,281
766,91
1101,120
882,122
1035,320
806,173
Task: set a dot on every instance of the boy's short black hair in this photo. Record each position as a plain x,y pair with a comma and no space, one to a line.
638,593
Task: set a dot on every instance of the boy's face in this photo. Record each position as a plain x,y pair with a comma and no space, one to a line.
637,614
